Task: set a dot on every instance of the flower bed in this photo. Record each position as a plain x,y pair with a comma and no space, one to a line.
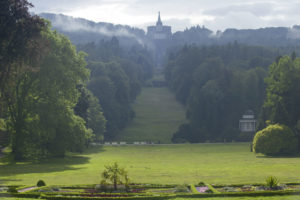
255,188
143,191
203,189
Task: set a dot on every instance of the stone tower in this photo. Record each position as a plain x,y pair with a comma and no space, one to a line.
160,36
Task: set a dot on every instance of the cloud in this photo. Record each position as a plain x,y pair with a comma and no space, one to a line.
69,24
239,20
258,9
178,24
294,33
215,13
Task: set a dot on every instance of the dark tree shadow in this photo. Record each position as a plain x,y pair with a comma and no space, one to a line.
69,162
279,156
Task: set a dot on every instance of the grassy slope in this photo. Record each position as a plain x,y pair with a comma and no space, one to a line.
158,116
182,164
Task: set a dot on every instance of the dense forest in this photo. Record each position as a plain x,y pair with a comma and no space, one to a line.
218,84
117,76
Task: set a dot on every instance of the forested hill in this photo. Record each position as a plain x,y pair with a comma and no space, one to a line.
271,36
83,31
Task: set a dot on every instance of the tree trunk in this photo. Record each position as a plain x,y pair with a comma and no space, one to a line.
17,147
18,141
115,184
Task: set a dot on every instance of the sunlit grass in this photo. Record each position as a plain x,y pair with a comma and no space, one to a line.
178,164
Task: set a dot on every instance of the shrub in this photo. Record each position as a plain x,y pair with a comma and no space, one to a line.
275,140
12,190
272,182
41,183
201,184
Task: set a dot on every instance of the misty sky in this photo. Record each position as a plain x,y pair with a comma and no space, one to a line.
213,14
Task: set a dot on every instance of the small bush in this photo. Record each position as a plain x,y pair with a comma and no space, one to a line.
41,183
272,182
12,190
201,184
275,140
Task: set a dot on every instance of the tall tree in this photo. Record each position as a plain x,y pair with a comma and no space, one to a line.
282,104
41,101
89,108
17,28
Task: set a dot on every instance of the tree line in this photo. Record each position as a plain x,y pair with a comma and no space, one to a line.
217,84
56,99
117,76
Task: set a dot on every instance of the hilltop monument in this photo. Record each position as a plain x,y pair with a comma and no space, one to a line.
160,36
159,32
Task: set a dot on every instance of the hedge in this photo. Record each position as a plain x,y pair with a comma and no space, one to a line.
23,187
27,194
193,189
241,194
212,188
235,194
108,198
239,185
149,186
136,186
199,195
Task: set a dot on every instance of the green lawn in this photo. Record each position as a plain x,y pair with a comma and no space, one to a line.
249,198
158,116
179,164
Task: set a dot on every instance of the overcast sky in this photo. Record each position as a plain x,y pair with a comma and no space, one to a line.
213,14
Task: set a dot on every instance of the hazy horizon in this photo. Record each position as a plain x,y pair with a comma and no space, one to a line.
213,14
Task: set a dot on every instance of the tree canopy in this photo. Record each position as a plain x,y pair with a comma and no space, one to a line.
217,84
117,76
41,100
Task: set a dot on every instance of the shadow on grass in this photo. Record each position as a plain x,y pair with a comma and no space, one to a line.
279,156
71,161
3,181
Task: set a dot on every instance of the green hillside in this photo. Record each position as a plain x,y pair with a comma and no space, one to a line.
158,115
